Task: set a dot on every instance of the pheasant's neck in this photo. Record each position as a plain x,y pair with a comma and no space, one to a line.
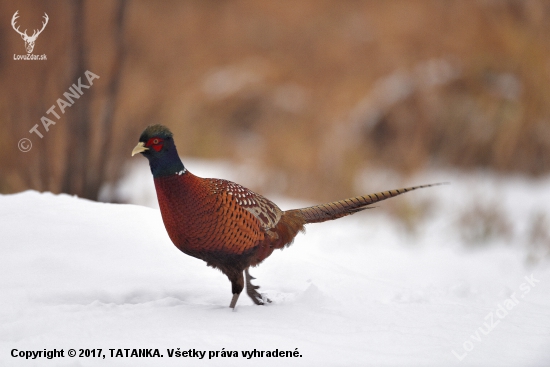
169,164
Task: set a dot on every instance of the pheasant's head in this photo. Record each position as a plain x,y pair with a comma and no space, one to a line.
156,143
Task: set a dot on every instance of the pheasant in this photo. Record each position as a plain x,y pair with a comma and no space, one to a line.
225,224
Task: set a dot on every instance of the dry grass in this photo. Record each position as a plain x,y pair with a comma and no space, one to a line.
484,223
316,90
539,237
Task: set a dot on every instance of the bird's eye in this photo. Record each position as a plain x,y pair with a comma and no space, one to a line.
156,141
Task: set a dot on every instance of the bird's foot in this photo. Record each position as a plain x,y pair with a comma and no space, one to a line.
256,297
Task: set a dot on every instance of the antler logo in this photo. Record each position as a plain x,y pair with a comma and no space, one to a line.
29,40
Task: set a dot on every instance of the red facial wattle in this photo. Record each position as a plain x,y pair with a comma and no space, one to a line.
155,143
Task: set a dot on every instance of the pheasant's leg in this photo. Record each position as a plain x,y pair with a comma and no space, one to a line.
251,290
237,285
234,300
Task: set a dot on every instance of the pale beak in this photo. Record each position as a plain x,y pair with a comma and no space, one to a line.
139,148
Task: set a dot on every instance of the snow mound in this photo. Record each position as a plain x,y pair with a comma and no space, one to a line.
80,274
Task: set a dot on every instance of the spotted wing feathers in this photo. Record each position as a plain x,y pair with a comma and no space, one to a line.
263,209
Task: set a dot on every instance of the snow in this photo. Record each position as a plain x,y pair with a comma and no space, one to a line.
358,291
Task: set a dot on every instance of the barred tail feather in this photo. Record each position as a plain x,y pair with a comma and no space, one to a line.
338,209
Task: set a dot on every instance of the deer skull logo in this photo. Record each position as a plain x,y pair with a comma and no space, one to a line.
29,40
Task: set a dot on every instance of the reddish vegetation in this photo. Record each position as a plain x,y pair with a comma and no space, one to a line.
315,90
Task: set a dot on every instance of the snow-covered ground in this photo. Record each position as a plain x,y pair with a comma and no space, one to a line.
456,288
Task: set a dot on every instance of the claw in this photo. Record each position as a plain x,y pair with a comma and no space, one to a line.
256,297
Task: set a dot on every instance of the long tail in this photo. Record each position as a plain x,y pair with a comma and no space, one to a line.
338,209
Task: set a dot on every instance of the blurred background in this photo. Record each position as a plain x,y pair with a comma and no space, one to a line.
312,94
305,102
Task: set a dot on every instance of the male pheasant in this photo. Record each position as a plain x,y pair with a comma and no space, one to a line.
225,224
